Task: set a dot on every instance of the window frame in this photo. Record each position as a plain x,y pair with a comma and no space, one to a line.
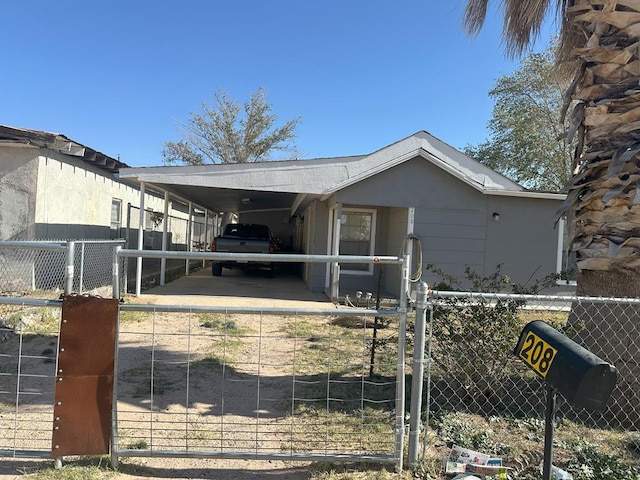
344,268
112,228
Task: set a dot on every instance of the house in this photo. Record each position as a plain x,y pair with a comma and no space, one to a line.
463,213
54,188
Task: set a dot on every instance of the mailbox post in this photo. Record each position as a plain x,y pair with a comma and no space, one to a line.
577,374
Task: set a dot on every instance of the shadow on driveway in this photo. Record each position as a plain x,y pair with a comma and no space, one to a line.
237,287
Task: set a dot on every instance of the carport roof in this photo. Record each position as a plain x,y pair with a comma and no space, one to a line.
281,184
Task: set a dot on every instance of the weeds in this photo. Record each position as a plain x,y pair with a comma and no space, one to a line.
84,468
33,321
137,445
221,322
588,462
588,454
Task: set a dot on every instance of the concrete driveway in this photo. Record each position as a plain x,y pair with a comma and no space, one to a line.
236,288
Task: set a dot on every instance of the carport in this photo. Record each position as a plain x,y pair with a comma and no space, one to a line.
228,190
274,193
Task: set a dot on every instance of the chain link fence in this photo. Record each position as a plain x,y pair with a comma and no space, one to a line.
45,269
473,368
180,359
32,266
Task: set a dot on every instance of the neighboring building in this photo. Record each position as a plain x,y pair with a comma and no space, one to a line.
54,188
463,213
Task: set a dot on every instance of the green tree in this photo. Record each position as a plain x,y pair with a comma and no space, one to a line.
230,133
528,141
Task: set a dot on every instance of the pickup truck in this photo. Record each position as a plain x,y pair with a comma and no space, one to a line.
243,238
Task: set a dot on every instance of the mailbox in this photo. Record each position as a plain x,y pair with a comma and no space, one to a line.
580,376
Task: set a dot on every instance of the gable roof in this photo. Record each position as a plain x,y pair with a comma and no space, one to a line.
319,177
59,143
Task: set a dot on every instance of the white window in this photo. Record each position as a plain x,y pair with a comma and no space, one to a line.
357,237
116,217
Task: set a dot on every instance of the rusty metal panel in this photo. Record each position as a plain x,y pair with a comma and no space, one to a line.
82,422
84,379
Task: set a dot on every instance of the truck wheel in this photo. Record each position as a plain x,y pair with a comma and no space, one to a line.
216,269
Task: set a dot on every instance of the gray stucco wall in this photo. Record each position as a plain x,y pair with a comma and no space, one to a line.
455,223
18,184
524,240
316,219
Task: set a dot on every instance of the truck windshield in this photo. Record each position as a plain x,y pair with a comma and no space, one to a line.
248,231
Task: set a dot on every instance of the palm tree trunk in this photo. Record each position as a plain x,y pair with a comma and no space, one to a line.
602,37
603,198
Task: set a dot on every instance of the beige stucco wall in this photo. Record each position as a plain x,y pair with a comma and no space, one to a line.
70,192
74,196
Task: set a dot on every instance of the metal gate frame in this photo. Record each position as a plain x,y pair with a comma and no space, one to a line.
401,312
119,255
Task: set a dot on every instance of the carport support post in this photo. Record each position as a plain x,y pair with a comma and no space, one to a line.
189,236
417,374
140,241
165,223
206,235
335,250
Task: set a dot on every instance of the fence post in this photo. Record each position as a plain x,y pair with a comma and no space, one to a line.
81,279
428,360
418,372
69,270
115,289
400,368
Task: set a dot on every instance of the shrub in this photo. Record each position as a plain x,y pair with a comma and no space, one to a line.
475,335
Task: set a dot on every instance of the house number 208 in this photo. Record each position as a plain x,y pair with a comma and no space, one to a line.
537,353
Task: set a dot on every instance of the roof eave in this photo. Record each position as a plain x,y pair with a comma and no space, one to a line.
418,152
527,194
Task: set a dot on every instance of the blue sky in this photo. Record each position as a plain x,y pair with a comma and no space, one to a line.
119,75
